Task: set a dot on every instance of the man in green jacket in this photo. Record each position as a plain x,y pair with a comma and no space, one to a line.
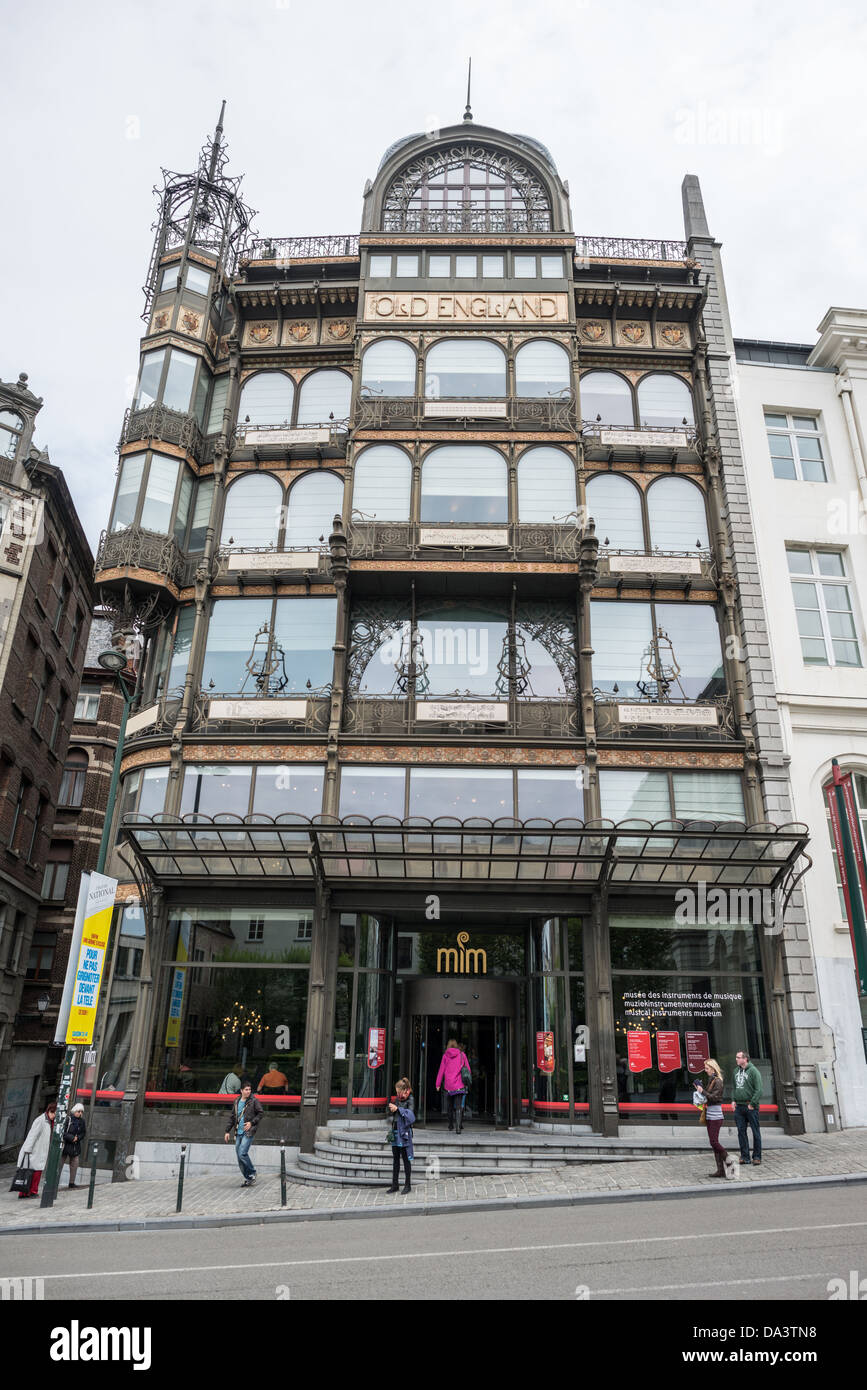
747,1092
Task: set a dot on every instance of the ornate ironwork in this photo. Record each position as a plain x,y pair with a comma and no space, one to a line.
608,725
556,540
553,626
368,538
368,715
532,213
136,548
374,622
519,412
706,559
547,718
164,722
629,248
378,412
158,422
470,217
302,248
314,720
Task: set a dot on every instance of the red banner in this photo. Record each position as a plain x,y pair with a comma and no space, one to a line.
638,1049
668,1051
545,1052
697,1051
375,1048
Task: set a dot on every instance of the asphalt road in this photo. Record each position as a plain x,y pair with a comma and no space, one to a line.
779,1246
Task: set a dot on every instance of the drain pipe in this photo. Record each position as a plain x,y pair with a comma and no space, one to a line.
843,387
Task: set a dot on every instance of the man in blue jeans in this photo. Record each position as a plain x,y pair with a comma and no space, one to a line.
246,1114
747,1092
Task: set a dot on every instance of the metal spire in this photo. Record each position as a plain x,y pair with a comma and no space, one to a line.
468,115
215,144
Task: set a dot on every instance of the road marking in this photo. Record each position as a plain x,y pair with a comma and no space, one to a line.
453,1254
716,1283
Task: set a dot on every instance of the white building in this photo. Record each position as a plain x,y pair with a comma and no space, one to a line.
803,421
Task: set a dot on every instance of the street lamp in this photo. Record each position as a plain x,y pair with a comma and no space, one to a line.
112,659
42,1004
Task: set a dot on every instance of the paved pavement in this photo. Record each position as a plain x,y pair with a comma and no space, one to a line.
223,1200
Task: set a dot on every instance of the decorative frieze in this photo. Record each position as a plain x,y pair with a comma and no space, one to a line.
466,308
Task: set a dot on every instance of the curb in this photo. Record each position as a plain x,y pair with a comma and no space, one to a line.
577,1199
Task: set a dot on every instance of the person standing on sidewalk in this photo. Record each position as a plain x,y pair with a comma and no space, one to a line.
36,1147
456,1075
73,1136
747,1094
403,1119
246,1114
713,1094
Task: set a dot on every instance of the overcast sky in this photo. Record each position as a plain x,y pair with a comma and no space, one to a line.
764,101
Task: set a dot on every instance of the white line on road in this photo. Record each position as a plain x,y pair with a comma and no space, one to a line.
717,1283
453,1254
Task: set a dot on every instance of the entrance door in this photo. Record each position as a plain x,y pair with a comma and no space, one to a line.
487,1044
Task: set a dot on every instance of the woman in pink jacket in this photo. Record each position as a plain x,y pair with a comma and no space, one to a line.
450,1074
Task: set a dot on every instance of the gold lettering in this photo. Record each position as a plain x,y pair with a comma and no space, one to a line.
531,306
549,299
478,299
384,305
447,959
445,307
415,311
476,960
462,302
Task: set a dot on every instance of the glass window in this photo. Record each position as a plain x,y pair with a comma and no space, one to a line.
461,792
462,650
178,390
218,404
708,796
383,479
266,399
621,642
197,280
379,267
552,793
552,267
525,267
201,514
211,790
254,506
542,369
545,656
325,396
87,702
796,447
181,648
169,278
129,485
72,781
546,485
231,637
305,629
439,267
614,503
634,796
659,942
388,369
664,400
156,512
11,427
676,515
295,788
149,379
152,794
406,266
492,267
465,267
464,482
372,791
184,498
54,880
696,648
606,399
313,503
375,667
465,368
826,619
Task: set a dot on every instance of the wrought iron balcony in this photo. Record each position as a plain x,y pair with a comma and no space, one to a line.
155,720
624,718
697,568
136,548
304,712
374,715
633,444
470,217
169,426
369,539
302,248
474,217
616,248
517,412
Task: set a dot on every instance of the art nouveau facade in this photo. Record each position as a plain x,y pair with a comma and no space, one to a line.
803,418
418,748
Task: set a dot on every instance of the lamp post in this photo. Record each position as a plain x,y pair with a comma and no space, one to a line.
114,659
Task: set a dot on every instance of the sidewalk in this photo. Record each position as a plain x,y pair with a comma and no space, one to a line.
217,1201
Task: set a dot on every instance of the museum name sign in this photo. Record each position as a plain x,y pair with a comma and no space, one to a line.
468,308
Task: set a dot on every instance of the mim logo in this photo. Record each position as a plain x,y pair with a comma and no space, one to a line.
77,1343
462,959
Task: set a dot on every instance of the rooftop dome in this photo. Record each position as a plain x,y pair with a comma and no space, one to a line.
468,128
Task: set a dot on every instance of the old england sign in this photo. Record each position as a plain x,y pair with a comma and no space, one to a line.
467,308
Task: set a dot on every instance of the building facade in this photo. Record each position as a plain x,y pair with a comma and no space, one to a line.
46,601
454,715
803,420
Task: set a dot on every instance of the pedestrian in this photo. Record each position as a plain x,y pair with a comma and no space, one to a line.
403,1120
274,1082
73,1137
455,1075
246,1114
747,1094
36,1145
231,1084
713,1094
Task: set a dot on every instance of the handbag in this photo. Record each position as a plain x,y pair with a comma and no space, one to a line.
391,1136
466,1075
23,1177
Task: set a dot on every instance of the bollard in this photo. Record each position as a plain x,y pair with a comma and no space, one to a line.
282,1173
181,1178
92,1177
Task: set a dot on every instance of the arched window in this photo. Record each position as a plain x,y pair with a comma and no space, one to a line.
466,189
546,485
607,395
11,428
383,476
266,399
464,482
542,369
676,515
664,400
465,368
252,515
388,369
72,781
324,394
615,505
313,502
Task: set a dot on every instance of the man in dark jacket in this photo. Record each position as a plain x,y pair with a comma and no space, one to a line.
246,1114
747,1092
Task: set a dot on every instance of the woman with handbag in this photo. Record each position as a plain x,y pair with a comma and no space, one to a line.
400,1134
713,1095
455,1074
72,1141
35,1148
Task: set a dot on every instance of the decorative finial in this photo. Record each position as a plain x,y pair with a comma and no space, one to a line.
216,144
468,115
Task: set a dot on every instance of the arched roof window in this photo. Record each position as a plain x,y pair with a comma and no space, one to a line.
266,399
325,396
466,188
252,515
313,503
388,369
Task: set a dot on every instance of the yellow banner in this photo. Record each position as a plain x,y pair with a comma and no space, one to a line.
176,998
91,959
